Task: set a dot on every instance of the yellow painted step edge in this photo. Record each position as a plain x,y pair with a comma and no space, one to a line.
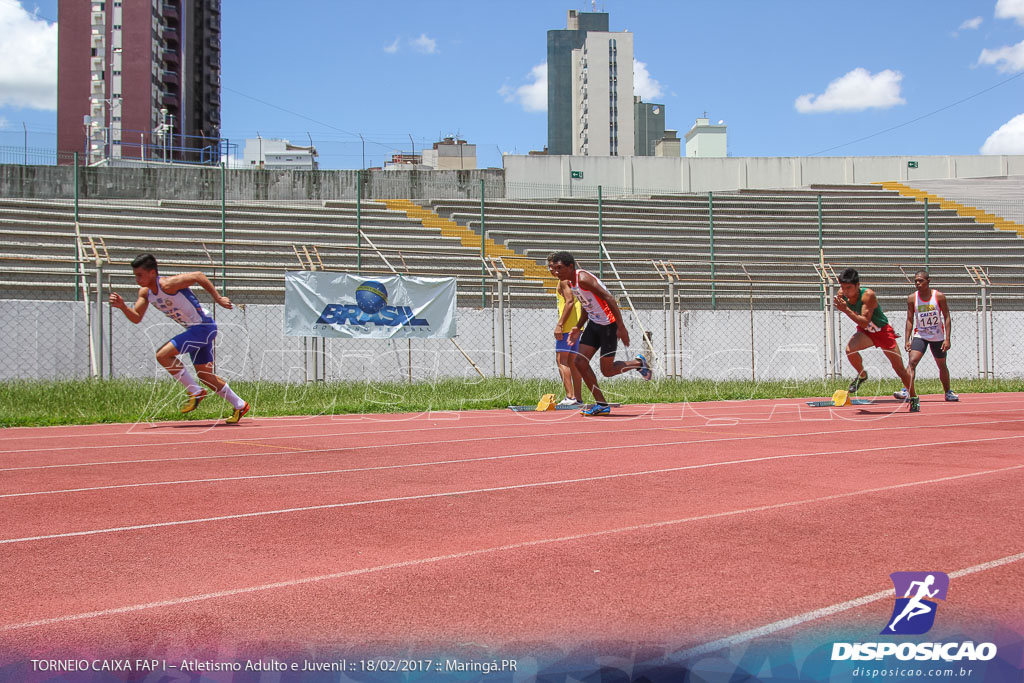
962,209
468,238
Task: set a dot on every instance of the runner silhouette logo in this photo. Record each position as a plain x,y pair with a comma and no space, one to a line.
914,611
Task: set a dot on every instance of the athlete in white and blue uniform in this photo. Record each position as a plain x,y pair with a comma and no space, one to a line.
184,308
172,297
928,327
604,327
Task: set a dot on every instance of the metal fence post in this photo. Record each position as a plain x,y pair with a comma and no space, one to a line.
99,319
223,232
711,231
600,233
672,326
500,342
984,332
821,251
78,243
483,256
359,222
927,240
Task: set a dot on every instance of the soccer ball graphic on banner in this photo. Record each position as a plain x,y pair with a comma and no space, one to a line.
371,296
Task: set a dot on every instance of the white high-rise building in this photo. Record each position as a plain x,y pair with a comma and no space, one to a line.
602,95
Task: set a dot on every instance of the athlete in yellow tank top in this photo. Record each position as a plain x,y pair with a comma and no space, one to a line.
566,350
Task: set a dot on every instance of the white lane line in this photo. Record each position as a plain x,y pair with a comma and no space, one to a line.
647,414
174,602
343,449
494,489
831,610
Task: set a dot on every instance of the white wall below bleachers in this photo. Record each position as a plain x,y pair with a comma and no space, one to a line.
545,176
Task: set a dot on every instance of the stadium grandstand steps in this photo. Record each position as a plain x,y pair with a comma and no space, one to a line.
262,240
772,234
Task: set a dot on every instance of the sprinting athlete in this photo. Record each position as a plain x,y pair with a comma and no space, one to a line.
928,327
604,327
172,296
873,329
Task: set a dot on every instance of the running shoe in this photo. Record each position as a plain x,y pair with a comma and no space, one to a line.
950,396
644,369
192,402
569,402
237,415
859,380
915,404
597,409
902,394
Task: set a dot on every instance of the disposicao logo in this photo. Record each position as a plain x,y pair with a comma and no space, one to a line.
914,614
370,309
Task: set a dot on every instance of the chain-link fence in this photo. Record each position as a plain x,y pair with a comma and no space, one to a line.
721,285
509,336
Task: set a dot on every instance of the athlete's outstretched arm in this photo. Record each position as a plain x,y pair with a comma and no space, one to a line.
133,313
177,282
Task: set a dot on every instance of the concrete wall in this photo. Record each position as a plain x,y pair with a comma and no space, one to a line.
647,174
49,340
154,182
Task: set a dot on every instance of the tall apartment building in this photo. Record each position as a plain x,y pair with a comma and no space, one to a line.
561,43
590,73
139,79
649,121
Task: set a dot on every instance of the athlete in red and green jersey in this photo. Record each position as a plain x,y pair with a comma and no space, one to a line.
873,329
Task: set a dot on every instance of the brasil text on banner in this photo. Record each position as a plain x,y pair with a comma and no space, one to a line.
322,304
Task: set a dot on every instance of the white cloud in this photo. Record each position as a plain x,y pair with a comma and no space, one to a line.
1010,9
424,44
856,91
971,24
28,59
1009,139
532,96
643,85
393,47
1007,59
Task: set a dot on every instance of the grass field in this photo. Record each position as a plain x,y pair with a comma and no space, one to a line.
36,403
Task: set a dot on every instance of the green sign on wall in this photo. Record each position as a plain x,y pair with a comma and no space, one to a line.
576,174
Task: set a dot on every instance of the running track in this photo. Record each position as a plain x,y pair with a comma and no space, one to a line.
689,525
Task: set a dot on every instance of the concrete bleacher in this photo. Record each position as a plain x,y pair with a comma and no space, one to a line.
1002,196
771,236
261,240
766,243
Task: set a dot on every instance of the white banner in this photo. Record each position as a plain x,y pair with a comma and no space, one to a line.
321,304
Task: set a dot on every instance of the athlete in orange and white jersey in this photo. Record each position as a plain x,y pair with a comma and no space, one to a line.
598,310
928,326
604,327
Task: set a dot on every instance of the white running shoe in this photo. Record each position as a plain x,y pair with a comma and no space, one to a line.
569,402
950,396
902,394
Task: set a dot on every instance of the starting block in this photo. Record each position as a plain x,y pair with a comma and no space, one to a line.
548,402
839,399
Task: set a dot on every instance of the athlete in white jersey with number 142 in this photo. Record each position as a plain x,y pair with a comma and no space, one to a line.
172,297
928,327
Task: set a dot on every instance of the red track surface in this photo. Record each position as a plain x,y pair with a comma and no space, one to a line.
496,531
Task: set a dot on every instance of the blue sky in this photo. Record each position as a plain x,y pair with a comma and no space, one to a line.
790,78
